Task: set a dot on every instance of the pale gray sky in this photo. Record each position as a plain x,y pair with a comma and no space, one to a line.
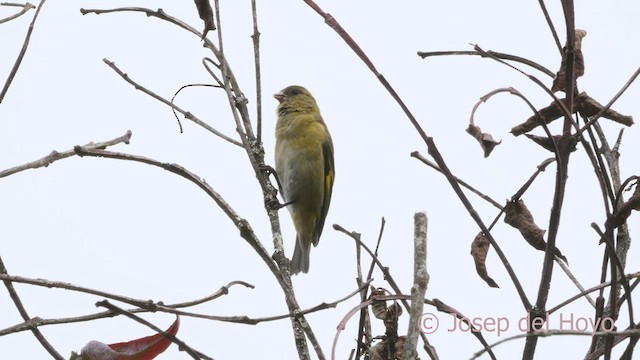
142,232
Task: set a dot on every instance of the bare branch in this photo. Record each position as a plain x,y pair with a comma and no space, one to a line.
55,156
25,8
489,53
23,51
554,33
188,115
256,59
25,315
419,288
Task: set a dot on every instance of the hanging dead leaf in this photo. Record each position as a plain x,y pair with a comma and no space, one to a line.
517,215
145,348
206,14
547,143
391,319
624,211
485,139
559,82
479,250
588,107
378,307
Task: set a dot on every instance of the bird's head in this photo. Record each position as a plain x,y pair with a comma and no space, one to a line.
295,98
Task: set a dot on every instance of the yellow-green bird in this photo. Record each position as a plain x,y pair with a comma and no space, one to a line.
305,168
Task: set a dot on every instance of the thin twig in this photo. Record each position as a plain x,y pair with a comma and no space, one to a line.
537,334
25,315
224,290
55,155
496,54
417,155
25,8
256,59
364,324
152,306
552,28
188,115
587,291
23,51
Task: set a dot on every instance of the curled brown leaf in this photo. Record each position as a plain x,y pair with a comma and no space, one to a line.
378,307
485,139
578,63
547,143
206,14
518,215
587,107
479,250
391,319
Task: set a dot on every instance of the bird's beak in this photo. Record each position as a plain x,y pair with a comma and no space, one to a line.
279,96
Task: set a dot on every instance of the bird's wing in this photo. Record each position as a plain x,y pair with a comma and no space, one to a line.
329,173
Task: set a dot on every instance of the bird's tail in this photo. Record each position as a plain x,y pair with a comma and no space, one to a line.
300,259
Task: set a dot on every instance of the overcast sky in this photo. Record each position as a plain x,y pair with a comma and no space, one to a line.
139,231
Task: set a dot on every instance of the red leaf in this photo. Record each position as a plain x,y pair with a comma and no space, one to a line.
145,348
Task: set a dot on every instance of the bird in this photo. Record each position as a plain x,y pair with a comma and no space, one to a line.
304,168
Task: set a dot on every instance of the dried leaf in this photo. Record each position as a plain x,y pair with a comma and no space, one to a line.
206,14
485,139
479,250
378,307
546,143
378,351
145,348
588,107
385,350
391,319
548,114
518,216
584,104
624,211
578,63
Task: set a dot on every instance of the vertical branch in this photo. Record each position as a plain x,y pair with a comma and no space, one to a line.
564,151
255,153
420,282
612,156
567,6
256,59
